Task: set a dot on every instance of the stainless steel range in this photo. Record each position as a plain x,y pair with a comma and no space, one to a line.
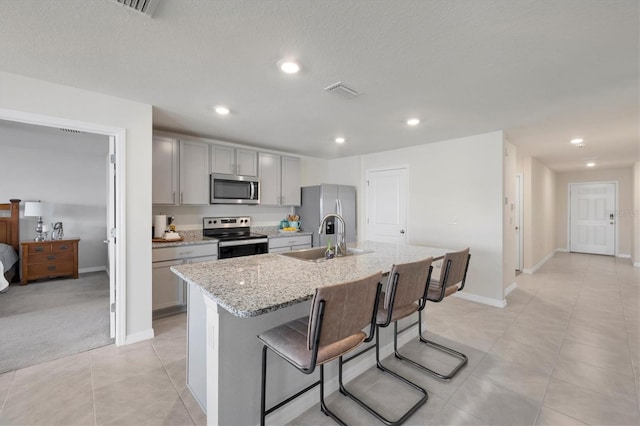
234,236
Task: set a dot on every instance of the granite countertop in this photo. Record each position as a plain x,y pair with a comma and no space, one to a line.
254,285
188,238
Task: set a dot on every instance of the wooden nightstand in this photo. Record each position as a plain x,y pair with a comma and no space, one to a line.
48,259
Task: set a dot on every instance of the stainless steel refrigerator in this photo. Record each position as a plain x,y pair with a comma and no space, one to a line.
319,200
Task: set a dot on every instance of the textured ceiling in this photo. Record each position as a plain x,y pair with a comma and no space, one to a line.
543,71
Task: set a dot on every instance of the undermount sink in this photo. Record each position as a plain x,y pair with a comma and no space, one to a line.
317,254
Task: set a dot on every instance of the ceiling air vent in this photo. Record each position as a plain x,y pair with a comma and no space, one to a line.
341,90
143,6
71,131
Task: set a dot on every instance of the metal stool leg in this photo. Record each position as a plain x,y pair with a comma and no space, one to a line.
459,355
406,415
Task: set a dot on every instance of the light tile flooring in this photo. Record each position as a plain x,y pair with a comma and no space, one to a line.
565,351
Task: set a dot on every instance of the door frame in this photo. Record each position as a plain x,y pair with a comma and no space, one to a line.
615,209
404,167
119,265
520,203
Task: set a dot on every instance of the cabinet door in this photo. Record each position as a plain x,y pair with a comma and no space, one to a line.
222,159
168,289
164,171
290,181
194,172
269,179
246,162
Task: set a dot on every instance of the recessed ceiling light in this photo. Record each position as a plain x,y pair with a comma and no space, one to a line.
289,67
577,141
340,140
222,110
413,121
592,164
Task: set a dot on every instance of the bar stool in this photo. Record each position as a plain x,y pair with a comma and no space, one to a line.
406,293
334,327
453,275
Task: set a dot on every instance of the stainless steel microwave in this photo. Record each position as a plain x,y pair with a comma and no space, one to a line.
230,189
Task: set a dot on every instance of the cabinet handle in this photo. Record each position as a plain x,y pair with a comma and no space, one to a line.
173,197
51,257
181,197
51,268
63,247
39,248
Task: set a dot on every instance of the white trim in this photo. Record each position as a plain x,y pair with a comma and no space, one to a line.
624,256
562,250
539,264
139,336
120,141
509,289
93,269
520,189
352,370
636,264
481,299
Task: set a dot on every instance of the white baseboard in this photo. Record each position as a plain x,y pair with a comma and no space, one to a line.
351,370
93,269
139,336
542,262
624,256
481,299
563,249
636,264
509,289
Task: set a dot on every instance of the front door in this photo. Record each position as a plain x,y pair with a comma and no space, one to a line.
592,219
387,205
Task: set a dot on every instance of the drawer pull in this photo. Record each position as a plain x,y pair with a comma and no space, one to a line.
51,257
64,247
39,248
51,268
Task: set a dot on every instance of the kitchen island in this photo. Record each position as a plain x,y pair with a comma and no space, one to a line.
247,295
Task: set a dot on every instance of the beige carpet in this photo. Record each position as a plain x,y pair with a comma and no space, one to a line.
46,320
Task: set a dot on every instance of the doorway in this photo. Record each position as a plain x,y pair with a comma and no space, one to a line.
387,205
115,206
592,218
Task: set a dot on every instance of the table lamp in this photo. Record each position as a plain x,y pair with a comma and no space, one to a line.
35,209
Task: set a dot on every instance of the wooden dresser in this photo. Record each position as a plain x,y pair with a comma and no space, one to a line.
48,259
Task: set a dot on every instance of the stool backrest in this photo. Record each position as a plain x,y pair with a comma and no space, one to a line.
456,273
407,283
348,308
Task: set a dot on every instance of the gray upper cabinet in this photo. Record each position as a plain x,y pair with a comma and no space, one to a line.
269,165
290,181
279,180
194,173
234,161
165,171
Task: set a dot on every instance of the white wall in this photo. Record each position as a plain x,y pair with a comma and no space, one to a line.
624,179
67,172
462,178
39,97
539,213
508,212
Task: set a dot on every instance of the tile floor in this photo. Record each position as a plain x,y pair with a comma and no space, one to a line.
565,351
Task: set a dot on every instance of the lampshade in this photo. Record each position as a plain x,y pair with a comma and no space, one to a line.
33,208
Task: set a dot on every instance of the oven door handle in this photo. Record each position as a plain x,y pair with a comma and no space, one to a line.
243,242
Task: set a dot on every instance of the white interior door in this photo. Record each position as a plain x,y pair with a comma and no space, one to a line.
592,220
111,224
387,205
517,214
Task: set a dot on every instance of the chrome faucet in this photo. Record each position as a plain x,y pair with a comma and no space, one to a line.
341,244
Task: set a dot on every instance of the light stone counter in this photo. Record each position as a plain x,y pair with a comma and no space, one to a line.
233,300
254,285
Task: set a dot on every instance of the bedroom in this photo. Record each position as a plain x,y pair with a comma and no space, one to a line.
67,172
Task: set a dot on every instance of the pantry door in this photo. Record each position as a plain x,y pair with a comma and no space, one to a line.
592,218
387,205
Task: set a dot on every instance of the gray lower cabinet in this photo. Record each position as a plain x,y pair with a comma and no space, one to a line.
289,243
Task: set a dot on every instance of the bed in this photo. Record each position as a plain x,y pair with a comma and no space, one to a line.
10,239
